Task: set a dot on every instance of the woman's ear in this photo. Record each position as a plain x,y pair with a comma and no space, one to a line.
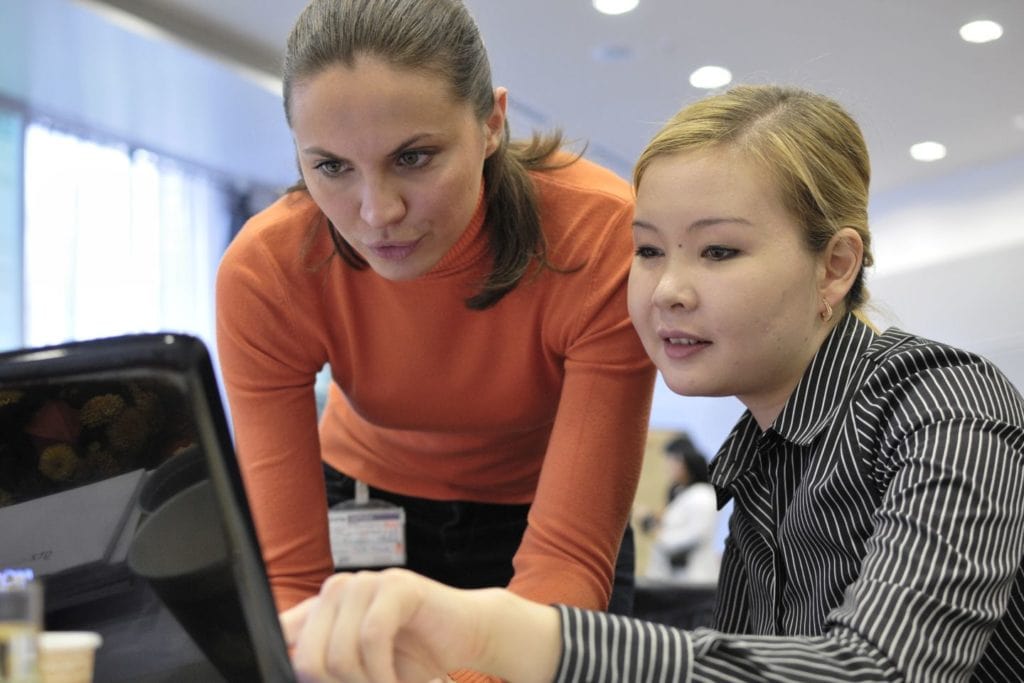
494,124
840,264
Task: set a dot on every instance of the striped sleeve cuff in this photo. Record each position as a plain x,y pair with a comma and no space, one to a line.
597,646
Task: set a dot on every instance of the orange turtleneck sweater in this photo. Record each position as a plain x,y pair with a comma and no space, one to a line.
543,398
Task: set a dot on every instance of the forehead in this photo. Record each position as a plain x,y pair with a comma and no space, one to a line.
372,89
373,105
706,177
682,192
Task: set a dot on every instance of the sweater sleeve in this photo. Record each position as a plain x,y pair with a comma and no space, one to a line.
592,463
595,453
268,364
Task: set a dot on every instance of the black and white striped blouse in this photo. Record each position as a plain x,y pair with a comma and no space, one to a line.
877,533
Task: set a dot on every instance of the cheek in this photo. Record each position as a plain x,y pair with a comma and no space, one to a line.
336,204
452,193
638,297
783,319
767,318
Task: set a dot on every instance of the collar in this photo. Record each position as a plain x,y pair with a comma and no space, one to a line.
818,397
811,407
471,246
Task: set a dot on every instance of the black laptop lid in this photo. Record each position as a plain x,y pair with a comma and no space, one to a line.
119,488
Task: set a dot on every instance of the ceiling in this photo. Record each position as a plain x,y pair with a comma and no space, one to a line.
898,65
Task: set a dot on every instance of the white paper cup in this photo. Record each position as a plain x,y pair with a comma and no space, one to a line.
67,656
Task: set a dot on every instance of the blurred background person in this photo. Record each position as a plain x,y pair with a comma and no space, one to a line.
684,548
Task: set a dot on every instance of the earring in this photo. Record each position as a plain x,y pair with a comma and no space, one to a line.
826,315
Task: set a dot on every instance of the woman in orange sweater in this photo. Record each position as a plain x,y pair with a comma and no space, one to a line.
469,296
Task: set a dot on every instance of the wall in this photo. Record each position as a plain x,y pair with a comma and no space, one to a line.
66,61
10,228
64,64
949,262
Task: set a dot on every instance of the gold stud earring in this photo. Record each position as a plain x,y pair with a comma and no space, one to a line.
826,315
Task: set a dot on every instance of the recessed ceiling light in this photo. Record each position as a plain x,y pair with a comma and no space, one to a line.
709,77
615,6
982,31
928,151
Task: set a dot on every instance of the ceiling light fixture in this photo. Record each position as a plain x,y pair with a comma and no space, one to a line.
615,6
928,151
710,77
982,31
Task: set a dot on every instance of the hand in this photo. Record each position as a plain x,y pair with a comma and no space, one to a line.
382,627
395,626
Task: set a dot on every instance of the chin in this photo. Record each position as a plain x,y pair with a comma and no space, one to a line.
403,276
687,386
689,393
397,272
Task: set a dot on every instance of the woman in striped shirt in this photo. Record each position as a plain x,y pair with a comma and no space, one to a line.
877,478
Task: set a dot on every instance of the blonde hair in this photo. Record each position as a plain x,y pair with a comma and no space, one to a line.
813,148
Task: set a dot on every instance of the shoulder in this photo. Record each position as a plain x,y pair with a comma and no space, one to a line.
583,180
277,250
585,210
904,354
935,379
282,230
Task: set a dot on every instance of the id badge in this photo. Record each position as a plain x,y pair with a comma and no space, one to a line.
366,533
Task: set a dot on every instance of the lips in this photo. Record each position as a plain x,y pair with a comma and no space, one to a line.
394,250
680,345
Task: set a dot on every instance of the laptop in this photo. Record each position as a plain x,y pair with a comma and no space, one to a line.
120,490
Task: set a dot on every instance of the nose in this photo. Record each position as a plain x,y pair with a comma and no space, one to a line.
674,290
381,204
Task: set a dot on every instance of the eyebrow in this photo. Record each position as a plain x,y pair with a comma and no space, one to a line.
697,224
405,144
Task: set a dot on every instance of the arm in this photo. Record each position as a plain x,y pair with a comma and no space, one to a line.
592,463
384,627
268,368
935,583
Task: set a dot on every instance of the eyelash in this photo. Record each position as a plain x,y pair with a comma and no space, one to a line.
728,252
723,253
420,158
645,252
323,167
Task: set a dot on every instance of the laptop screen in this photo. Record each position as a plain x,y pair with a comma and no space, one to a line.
120,490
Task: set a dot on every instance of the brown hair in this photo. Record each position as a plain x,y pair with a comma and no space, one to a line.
808,142
433,36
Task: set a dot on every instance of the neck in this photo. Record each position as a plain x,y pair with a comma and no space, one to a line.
765,408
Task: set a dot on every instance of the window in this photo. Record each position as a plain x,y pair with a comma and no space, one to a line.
117,240
11,125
